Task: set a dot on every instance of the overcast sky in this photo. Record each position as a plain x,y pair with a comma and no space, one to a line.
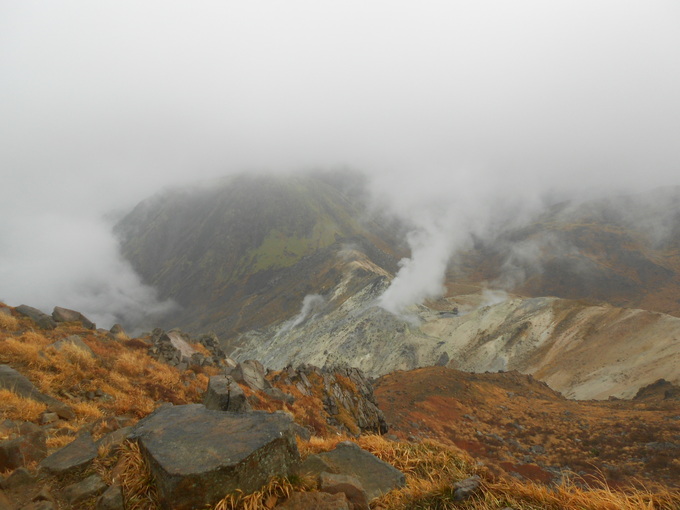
103,103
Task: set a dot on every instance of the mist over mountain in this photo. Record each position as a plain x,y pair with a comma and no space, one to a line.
244,252
304,268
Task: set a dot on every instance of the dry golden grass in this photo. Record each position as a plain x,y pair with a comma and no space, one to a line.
139,490
87,412
56,442
277,489
8,322
14,407
431,470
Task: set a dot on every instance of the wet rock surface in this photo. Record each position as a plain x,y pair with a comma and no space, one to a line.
197,455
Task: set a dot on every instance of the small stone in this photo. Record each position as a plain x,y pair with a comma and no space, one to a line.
349,485
224,394
466,488
112,499
44,495
20,476
90,487
46,418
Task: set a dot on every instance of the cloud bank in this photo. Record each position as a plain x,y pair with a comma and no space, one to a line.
458,110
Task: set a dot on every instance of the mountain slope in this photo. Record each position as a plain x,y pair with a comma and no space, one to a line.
621,250
580,350
517,424
245,251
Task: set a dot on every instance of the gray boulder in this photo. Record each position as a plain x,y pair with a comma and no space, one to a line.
12,380
224,394
198,455
43,320
376,477
81,491
348,485
73,340
466,488
118,331
73,457
60,314
251,373
172,347
29,446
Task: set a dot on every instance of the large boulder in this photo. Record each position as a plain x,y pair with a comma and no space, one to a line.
12,380
60,314
198,455
224,394
252,374
73,341
43,320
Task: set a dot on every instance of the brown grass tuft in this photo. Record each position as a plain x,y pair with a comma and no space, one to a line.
276,491
8,322
139,490
14,407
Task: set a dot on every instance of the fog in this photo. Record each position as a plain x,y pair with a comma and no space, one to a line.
466,115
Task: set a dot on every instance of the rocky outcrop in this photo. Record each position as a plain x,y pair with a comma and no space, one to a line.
174,348
251,373
224,394
345,390
212,343
43,320
12,380
658,390
198,455
65,315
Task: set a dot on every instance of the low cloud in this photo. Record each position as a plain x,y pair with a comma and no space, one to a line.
74,262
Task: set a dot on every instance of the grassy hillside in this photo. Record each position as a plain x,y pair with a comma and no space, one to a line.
135,384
